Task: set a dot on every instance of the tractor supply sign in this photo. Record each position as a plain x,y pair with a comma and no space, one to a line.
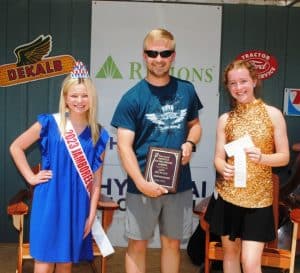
265,63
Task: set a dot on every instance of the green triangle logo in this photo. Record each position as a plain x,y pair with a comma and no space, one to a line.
109,70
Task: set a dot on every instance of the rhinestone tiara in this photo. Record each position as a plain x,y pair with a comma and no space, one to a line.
79,71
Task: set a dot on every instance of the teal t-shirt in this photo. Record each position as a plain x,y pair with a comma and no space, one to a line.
159,117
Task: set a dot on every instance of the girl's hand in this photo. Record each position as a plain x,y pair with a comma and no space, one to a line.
228,171
42,176
254,154
87,228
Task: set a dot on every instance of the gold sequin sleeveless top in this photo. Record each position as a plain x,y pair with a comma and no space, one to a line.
251,119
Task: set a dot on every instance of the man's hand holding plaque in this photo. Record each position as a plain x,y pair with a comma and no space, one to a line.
162,167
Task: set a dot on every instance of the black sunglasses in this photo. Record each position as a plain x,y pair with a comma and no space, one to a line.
155,53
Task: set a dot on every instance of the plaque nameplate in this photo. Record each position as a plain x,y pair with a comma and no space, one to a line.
162,167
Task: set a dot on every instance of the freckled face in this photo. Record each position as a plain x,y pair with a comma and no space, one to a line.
241,85
77,99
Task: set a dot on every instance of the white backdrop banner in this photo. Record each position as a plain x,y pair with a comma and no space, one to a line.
118,30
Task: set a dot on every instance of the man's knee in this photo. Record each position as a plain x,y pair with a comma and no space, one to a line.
170,243
137,245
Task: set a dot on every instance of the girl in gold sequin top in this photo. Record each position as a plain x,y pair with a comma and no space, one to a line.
243,216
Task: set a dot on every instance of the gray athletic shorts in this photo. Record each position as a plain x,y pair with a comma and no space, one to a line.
172,212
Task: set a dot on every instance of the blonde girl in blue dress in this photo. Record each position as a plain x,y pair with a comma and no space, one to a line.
62,210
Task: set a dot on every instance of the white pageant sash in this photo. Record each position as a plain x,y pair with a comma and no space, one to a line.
77,154
86,174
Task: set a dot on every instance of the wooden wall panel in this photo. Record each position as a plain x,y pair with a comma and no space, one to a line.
254,31
276,36
232,40
244,27
16,98
3,149
82,35
292,75
38,24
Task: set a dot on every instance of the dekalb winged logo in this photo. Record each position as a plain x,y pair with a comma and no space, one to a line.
34,64
33,52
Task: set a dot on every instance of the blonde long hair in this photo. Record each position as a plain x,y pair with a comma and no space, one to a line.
91,115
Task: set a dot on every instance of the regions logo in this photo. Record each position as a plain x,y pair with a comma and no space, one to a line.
265,64
32,63
109,70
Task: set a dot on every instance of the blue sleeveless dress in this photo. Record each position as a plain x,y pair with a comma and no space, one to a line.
61,206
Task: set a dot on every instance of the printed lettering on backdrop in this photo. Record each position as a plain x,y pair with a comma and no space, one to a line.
34,63
265,64
118,30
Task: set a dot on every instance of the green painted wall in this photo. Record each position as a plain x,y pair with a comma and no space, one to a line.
273,29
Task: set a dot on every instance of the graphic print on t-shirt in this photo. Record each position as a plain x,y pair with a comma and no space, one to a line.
168,118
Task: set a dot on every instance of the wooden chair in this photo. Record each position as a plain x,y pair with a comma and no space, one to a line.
272,256
286,195
18,208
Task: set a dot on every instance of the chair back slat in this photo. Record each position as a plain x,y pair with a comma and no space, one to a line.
274,244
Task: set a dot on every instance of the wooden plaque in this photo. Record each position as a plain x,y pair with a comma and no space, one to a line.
162,167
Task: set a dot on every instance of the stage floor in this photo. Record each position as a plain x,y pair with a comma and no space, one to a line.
115,262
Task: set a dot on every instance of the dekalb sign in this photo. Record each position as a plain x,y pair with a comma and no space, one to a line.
33,63
265,63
